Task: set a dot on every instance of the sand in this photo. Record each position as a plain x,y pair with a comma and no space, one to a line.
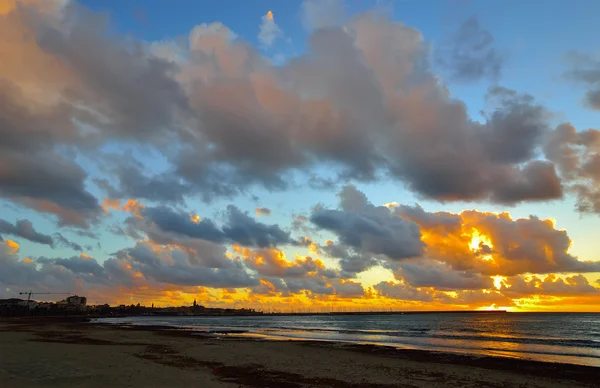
66,354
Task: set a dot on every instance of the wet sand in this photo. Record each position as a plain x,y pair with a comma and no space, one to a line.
70,354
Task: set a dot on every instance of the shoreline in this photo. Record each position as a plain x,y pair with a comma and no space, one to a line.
223,359
243,332
539,368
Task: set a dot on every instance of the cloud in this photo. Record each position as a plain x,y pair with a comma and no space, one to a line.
239,227
78,265
25,229
273,263
262,211
495,244
243,229
577,156
174,266
370,229
133,182
441,276
142,272
322,14
16,273
469,54
264,122
53,91
269,30
303,274
62,240
403,292
169,220
226,120
49,184
585,70
210,118
519,287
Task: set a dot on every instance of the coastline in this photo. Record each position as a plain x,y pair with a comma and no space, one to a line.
186,357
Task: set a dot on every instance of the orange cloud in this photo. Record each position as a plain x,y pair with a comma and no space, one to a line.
496,244
262,211
273,262
131,205
46,6
12,246
110,204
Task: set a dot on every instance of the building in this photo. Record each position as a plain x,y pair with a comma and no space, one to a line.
75,300
15,302
75,303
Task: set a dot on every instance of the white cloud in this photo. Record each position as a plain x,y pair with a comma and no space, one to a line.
269,30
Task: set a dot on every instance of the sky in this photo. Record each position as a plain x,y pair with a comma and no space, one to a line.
302,155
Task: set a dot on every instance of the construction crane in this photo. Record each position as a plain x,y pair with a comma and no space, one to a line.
41,293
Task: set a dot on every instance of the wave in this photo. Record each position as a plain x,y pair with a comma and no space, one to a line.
458,334
427,333
580,347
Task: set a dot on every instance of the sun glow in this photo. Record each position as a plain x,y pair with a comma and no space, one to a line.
494,307
498,281
195,218
479,242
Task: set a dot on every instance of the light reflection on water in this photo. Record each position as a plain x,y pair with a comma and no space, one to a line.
572,338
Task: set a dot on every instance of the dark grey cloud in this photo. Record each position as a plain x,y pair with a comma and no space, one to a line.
245,230
441,276
51,184
446,221
585,70
16,274
140,266
176,267
178,222
238,227
577,156
128,180
469,54
403,292
516,126
62,240
77,265
370,229
136,91
489,161
86,233
315,286
350,262
25,229
535,181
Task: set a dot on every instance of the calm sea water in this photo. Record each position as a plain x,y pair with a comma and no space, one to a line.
571,338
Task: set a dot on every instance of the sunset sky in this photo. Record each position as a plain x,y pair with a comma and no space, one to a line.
310,155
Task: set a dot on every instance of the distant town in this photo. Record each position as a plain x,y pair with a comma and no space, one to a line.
77,305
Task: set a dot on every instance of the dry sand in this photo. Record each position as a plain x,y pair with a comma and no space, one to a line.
56,354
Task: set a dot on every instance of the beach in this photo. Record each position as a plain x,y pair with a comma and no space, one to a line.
70,354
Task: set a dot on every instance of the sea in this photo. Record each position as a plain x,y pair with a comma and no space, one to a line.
553,337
